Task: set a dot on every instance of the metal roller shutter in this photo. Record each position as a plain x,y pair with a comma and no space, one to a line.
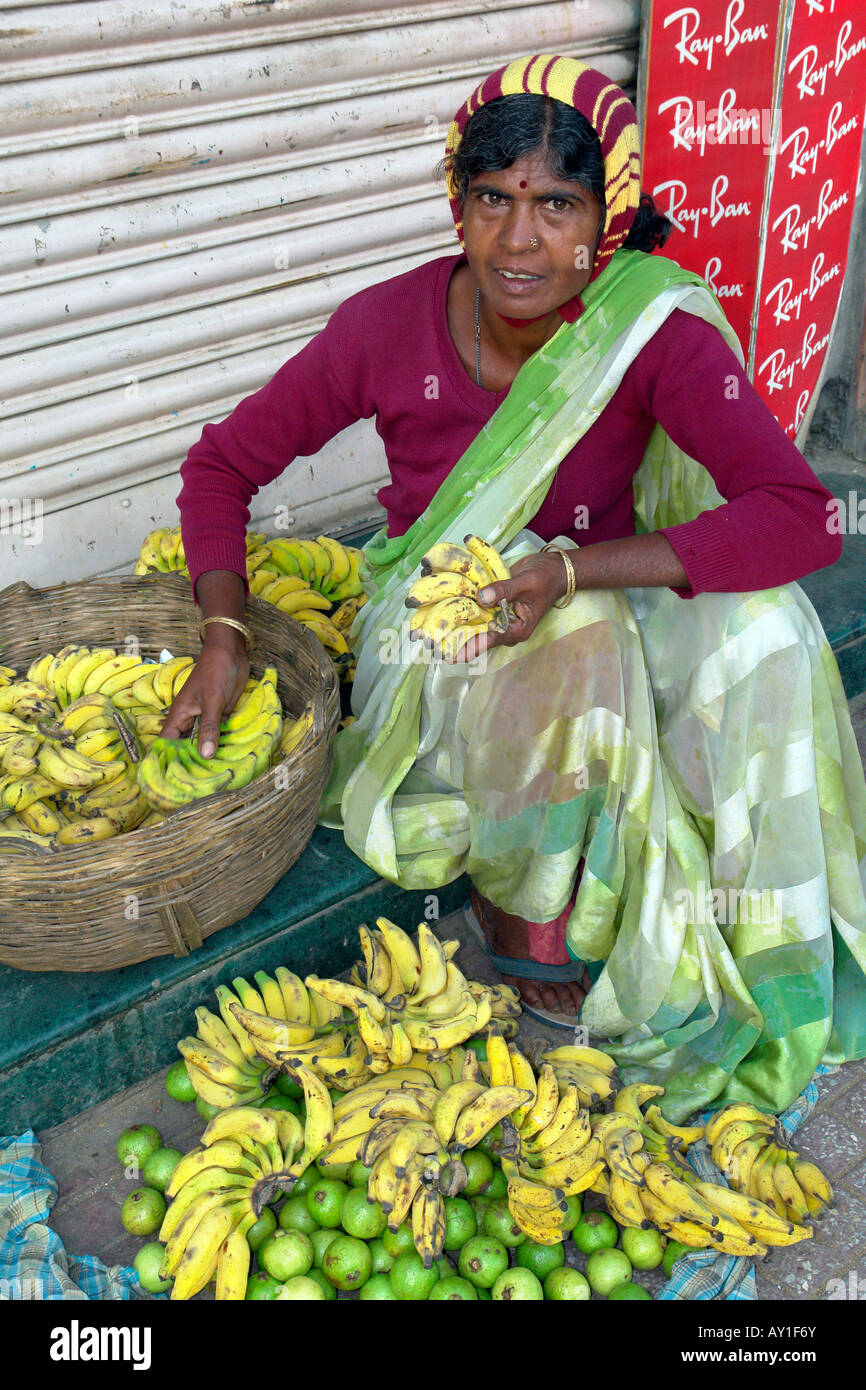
188,192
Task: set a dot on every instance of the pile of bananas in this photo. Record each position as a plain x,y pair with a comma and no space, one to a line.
219,1190
316,582
648,1180
410,1129
413,997
223,1060
747,1147
446,611
587,1068
173,773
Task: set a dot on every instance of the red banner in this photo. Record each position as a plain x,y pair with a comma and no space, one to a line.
814,182
752,113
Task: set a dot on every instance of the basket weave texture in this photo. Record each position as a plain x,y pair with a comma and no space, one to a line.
161,890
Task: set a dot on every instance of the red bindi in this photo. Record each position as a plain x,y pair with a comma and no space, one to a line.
523,183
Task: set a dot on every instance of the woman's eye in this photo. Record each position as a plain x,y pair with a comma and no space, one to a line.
562,204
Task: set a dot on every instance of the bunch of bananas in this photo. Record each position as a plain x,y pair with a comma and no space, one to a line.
72,780
747,1147
162,551
411,1128
548,1151
415,999
446,611
299,600
324,563
648,1180
173,773
587,1068
219,1190
223,1059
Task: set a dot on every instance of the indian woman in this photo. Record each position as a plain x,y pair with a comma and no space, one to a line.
650,777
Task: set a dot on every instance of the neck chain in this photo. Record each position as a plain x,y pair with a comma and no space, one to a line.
478,335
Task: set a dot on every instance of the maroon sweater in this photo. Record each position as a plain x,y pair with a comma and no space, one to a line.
387,353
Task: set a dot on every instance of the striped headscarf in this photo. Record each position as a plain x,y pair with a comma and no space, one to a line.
612,117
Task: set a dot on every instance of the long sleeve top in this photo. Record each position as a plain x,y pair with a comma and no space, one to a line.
386,353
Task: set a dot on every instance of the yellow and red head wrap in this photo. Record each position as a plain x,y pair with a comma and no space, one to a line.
609,112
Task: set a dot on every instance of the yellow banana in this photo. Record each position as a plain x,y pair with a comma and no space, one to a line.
455,559
428,1224
403,953
481,1114
488,556
738,1110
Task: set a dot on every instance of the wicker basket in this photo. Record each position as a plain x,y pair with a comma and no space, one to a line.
161,890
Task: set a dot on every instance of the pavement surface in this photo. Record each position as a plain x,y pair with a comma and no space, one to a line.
92,1186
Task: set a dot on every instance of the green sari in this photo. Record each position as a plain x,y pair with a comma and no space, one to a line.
697,755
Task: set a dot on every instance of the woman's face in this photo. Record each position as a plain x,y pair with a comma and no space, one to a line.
504,210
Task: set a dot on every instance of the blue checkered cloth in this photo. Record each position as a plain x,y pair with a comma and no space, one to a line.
702,1274
33,1261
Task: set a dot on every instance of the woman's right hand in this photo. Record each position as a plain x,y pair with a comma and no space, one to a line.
211,690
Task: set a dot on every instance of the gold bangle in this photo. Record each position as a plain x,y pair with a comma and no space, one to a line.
229,622
571,575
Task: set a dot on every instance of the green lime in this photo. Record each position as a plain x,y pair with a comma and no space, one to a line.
645,1249
334,1172
491,1141
325,1201
382,1261
280,1102
136,1144
541,1259
205,1109
324,1284
673,1250
460,1222
498,1185
479,1166
286,1254
484,1294
378,1289
595,1231
295,1216
624,1293
361,1217
517,1285
146,1265
264,1227
499,1222
262,1287
320,1239
157,1169
410,1281
308,1179
482,1260
399,1241
453,1289
574,1213
607,1268
300,1289
359,1174
479,1047
347,1263
177,1082
479,1205
143,1211
566,1285
287,1087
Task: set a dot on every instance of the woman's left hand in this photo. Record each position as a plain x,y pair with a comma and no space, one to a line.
536,582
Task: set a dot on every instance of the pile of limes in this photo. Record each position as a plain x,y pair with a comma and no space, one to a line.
327,1240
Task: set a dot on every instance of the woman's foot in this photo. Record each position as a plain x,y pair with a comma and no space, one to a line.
508,935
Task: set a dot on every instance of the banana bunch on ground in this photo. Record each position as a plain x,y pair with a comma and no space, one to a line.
548,1149
223,1058
218,1190
648,1180
749,1149
446,612
414,998
410,1127
587,1068
173,773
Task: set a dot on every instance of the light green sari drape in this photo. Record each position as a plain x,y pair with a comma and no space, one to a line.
679,747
